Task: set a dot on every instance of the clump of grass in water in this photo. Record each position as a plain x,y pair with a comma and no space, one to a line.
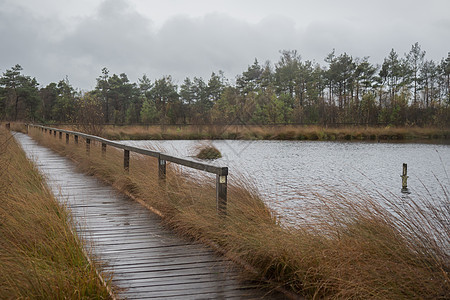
350,247
207,151
40,258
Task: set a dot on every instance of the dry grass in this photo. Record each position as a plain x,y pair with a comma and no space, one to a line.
40,258
207,151
15,126
351,246
272,132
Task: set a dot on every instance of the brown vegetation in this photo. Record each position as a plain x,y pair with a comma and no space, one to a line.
207,151
349,247
268,132
40,258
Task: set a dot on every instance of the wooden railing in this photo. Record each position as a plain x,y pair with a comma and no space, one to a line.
221,172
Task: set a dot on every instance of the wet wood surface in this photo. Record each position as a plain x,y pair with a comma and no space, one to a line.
147,260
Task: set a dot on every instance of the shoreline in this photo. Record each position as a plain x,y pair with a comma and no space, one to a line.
269,132
259,132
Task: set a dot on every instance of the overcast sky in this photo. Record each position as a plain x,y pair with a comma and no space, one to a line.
52,39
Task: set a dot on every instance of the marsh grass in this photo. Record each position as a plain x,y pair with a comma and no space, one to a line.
40,258
207,151
350,246
272,132
15,126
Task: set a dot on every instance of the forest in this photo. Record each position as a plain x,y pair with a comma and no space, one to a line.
406,90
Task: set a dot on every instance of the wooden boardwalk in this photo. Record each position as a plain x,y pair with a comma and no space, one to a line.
147,260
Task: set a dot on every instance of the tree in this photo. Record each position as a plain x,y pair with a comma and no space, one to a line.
286,72
103,88
65,107
368,109
122,93
445,78
148,112
29,93
201,104
364,76
164,94
187,96
250,80
390,74
144,85
11,83
415,61
429,80
89,117
49,95
225,109
340,75
215,87
20,94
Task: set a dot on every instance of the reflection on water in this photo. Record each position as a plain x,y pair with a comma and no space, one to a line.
286,172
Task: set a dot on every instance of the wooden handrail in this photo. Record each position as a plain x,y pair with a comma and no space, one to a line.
221,172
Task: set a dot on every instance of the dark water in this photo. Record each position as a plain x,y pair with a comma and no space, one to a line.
285,172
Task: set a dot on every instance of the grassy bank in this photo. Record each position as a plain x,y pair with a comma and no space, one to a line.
268,132
347,247
39,256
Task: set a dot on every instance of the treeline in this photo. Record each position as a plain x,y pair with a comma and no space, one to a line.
407,90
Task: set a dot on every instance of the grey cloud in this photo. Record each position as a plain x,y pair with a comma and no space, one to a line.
17,37
122,39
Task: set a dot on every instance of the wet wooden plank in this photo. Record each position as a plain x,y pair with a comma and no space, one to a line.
148,261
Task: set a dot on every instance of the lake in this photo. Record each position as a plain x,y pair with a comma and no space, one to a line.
288,172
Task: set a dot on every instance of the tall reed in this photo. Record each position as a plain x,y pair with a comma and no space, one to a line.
40,258
348,246
272,132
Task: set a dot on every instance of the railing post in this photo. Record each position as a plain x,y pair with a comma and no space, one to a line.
126,160
88,146
50,131
67,138
60,135
103,150
221,192
161,168
54,133
404,177
76,139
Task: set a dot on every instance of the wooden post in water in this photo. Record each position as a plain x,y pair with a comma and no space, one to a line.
404,177
103,150
221,192
88,146
67,138
161,168
126,160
